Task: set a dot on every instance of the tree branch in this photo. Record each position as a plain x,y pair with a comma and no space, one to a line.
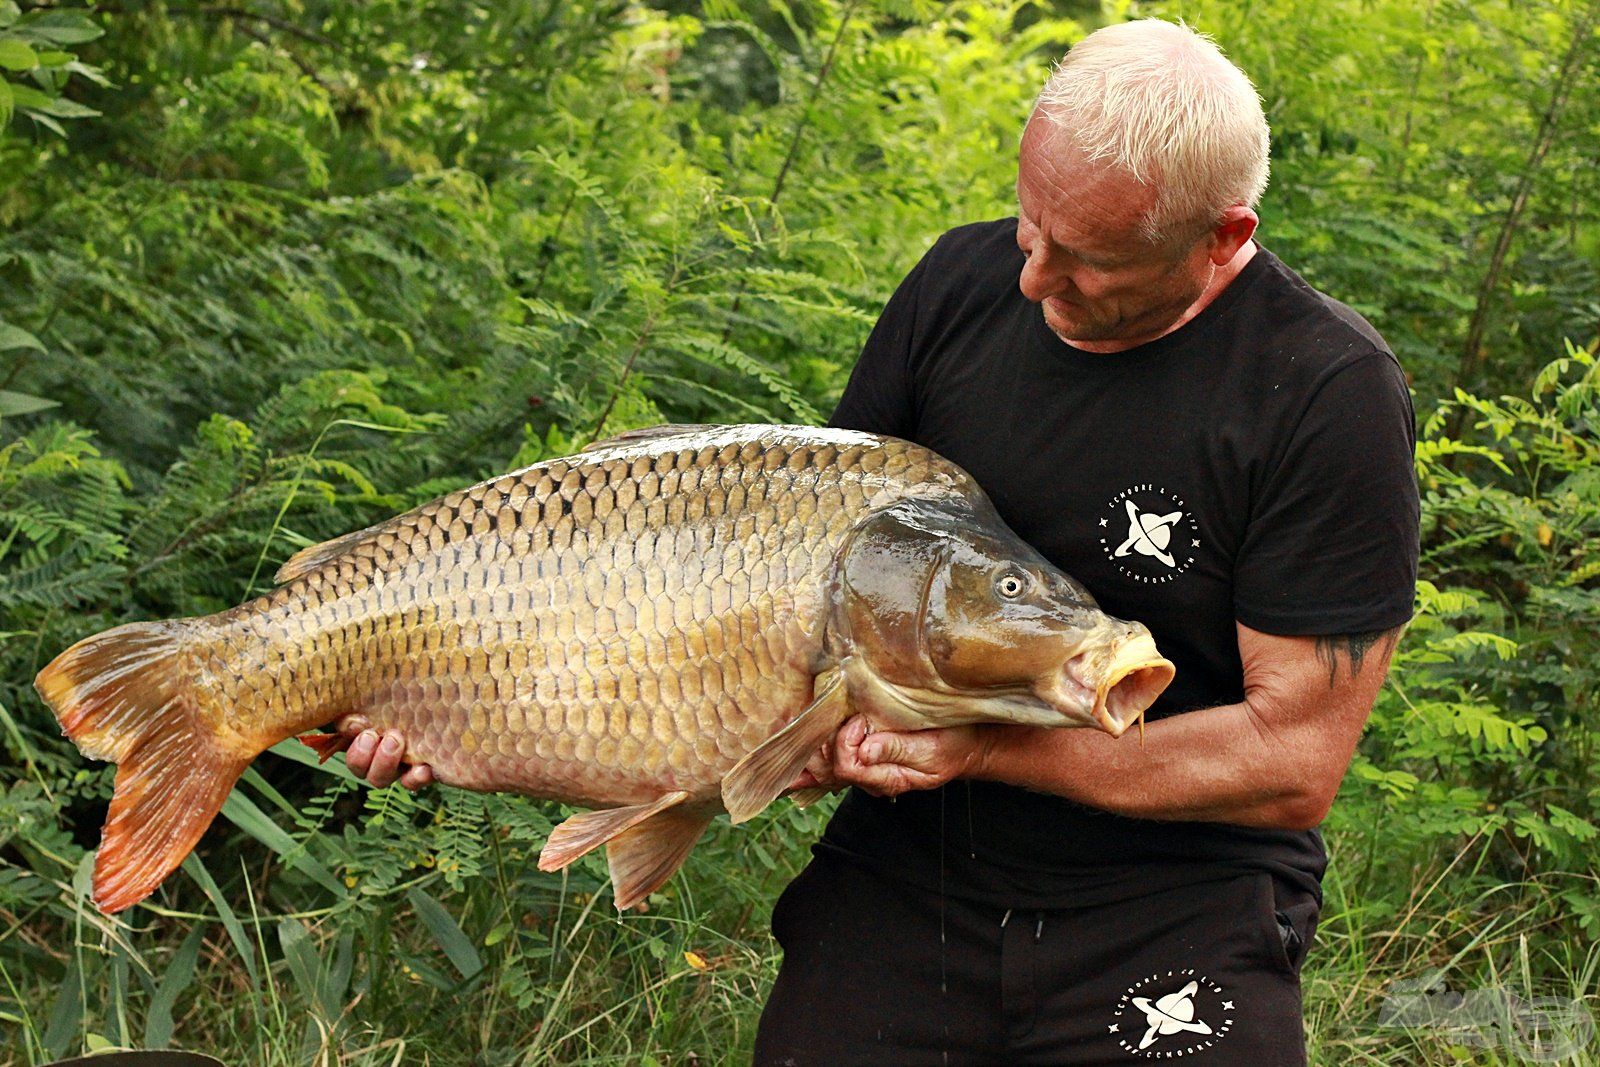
1472,351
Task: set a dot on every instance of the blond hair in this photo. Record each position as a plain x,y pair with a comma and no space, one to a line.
1161,102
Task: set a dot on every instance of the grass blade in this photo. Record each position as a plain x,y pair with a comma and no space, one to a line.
243,813
446,932
230,921
178,975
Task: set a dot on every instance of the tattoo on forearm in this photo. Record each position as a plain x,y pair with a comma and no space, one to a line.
1355,648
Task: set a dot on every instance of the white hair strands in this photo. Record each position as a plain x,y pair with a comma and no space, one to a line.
1161,102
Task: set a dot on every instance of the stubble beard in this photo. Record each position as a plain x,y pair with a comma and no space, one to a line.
1149,325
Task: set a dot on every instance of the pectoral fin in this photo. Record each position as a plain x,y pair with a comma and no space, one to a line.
588,831
804,798
763,775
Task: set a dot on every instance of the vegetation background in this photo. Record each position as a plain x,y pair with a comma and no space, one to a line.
273,269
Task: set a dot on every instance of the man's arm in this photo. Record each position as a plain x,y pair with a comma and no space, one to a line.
1273,760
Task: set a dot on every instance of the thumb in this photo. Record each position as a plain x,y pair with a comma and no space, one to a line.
889,746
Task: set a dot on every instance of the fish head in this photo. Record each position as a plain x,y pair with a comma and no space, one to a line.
954,619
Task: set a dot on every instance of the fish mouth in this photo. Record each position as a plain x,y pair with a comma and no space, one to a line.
1136,676
1111,682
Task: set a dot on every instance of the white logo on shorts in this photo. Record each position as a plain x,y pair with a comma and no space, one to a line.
1165,1016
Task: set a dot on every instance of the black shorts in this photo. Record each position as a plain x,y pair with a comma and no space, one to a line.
876,972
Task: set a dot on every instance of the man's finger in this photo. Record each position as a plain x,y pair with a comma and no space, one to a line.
417,777
819,769
359,756
386,760
351,725
881,780
916,750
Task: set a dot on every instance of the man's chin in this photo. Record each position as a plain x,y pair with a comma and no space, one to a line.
1068,322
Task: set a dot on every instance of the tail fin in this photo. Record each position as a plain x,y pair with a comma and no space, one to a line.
126,695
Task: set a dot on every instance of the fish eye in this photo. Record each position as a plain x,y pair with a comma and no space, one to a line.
1010,585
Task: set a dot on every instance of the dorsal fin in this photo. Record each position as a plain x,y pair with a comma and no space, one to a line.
310,558
647,433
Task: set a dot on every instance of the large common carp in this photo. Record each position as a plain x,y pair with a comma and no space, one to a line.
661,628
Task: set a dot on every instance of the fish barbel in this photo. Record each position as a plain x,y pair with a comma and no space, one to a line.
661,628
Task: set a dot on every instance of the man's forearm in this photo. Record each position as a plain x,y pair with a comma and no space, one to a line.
1214,765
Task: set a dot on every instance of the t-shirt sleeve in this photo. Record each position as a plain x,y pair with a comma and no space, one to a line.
880,397
1332,543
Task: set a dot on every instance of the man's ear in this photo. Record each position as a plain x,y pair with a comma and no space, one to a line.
1238,225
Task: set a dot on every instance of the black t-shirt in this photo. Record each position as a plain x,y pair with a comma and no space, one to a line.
1253,465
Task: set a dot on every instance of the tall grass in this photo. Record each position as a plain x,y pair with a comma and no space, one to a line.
572,983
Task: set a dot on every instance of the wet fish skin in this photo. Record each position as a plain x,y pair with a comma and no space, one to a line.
658,628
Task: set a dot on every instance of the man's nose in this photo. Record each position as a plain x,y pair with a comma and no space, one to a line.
1041,275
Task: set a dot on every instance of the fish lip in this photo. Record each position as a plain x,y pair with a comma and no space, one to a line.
1119,677
1138,678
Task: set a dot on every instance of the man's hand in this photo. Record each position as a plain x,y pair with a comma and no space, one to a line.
377,756
887,763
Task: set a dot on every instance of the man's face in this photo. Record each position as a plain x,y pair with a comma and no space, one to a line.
1094,275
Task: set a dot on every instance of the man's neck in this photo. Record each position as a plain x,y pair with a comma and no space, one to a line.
1221,278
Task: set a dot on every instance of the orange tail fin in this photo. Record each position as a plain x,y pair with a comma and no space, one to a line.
126,695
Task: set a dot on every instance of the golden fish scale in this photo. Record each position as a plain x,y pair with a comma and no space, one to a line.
600,629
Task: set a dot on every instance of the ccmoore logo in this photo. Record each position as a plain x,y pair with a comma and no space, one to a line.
1171,1015
1149,534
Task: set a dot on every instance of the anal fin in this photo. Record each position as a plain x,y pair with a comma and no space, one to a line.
644,857
325,745
585,832
765,773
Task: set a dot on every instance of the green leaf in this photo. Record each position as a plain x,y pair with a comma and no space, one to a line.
7,109
82,70
60,27
23,404
45,120
14,336
67,1015
300,954
446,932
175,979
16,55
28,96
243,813
208,885
64,109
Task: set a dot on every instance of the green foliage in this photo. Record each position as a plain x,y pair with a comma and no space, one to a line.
1408,141
36,44
43,83
1482,746
315,263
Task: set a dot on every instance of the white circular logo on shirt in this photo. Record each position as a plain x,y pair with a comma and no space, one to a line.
1148,533
1172,1014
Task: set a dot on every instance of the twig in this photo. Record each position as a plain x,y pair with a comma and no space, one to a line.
1472,350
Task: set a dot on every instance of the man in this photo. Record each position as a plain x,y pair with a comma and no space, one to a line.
1177,420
